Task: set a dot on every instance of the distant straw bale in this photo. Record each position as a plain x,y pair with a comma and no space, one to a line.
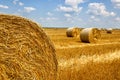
73,32
109,30
90,35
26,53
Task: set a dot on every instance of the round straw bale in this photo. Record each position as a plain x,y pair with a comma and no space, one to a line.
26,52
73,32
90,35
109,30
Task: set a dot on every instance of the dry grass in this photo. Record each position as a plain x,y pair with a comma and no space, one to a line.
96,67
87,61
93,49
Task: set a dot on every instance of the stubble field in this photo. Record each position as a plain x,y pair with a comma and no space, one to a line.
86,61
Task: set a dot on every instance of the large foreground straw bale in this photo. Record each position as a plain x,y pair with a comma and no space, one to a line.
73,32
90,35
26,53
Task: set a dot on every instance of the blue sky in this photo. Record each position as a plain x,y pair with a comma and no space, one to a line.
66,13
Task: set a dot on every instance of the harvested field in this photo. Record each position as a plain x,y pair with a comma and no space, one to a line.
27,53
86,61
96,67
69,40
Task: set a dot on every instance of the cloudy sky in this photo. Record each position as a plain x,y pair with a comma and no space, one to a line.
66,13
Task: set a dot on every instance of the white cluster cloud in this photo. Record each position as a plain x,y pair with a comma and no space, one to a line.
51,18
4,6
15,1
65,9
94,18
73,6
26,9
73,3
67,15
21,4
18,2
29,9
116,3
99,9
48,19
70,9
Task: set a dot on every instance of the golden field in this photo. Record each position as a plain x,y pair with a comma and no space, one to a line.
86,61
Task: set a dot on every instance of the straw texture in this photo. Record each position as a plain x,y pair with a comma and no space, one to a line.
26,52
